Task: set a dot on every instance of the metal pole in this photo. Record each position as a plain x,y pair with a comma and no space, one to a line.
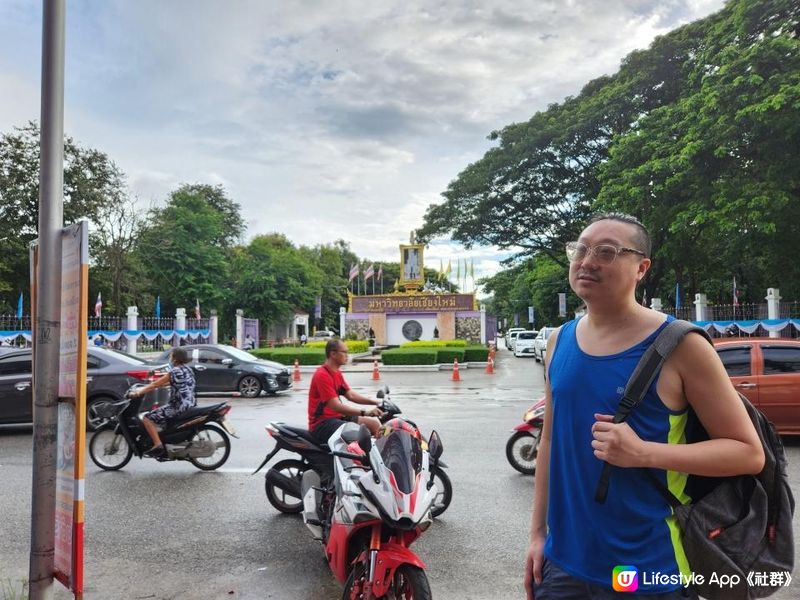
47,329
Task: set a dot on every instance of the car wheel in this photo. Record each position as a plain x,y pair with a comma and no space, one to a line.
249,386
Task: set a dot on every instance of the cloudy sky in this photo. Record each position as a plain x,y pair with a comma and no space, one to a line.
324,120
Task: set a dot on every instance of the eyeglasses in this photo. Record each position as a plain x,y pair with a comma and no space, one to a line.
605,254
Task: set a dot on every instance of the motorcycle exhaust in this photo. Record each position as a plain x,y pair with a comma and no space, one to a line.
287,484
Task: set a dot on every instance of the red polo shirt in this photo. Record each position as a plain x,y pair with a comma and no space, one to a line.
325,385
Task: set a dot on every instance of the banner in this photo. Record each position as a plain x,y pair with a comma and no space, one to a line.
562,304
416,303
530,315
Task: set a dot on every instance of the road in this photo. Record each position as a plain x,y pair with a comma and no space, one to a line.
167,531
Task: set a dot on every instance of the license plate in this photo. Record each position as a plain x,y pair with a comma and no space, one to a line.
229,427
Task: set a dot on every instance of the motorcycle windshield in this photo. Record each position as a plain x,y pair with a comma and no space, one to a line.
402,455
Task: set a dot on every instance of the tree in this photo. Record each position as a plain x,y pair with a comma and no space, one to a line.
186,247
92,184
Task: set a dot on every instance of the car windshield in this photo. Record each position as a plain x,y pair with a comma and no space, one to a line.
526,335
237,353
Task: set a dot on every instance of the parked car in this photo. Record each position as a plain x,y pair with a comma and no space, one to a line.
523,343
109,374
767,371
221,368
540,343
323,334
511,333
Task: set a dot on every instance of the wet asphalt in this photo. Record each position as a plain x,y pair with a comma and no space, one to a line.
168,531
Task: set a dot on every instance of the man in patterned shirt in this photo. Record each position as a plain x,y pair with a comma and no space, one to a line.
181,380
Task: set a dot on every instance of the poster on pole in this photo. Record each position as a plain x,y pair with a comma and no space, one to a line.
562,304
530,315
71,438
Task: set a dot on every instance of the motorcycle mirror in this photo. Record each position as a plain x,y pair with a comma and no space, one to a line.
227,361
435,446
379,394
364,440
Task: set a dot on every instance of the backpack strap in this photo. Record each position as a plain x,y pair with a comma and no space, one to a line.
640,381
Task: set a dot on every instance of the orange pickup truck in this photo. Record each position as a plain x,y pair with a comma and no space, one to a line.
767,371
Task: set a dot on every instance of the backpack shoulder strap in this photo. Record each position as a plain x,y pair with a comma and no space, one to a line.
642,378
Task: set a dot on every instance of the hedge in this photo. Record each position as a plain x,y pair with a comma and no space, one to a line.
448,355
435,344
409,356
476,354
286,356
353,346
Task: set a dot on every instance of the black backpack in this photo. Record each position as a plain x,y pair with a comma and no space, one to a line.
737,531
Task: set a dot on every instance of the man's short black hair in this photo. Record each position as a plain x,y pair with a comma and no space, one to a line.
641,237
332,346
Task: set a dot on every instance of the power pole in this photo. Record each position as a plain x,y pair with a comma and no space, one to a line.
47,329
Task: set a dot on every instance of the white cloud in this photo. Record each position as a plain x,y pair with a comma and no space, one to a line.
323,120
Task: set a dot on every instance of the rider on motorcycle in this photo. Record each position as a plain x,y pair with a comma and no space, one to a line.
182,397
326,410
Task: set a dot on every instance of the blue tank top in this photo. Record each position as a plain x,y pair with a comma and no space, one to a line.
635,526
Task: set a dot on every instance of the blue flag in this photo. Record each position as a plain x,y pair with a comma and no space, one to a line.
158,307
19,306
677,295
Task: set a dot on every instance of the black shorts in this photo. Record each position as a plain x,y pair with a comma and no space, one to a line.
326,429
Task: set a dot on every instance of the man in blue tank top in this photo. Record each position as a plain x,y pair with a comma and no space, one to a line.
629,545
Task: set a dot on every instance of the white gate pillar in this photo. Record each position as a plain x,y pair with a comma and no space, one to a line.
133,324
773,307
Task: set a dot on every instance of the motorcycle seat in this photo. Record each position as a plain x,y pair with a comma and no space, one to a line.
303,433
195,411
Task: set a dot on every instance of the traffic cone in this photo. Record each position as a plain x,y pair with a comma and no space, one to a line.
296,375
456,376
376,374
490,366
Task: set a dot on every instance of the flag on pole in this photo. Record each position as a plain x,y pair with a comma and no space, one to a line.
735,293
472,268
353,272
449,269
318,308
677,295
644,298
158,307
197,308
370,272
441,270
19,306
98,306
458,271
380,273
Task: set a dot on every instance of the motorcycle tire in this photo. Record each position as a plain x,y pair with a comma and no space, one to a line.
521,451
109,450
278,497
445,495
220,439
409,582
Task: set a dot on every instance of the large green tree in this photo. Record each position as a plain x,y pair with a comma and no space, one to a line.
187,246
93,185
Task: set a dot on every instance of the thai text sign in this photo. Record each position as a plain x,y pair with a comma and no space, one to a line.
415,303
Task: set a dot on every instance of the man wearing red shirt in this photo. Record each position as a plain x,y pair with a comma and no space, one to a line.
326,409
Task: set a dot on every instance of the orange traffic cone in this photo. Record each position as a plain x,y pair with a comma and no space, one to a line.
296,375
456,376
490,366
376,374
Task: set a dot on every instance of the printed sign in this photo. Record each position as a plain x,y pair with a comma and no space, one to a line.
562,304
414,303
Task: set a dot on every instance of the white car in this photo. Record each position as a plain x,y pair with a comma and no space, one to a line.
540,343
523,343
510,335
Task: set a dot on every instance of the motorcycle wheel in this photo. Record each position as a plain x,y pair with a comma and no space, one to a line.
445,495
281,499
409,582
521,451
209,433
109,450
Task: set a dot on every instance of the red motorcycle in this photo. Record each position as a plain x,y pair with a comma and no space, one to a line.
523,445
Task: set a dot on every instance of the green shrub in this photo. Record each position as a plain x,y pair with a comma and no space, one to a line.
409,356
448,355
263,353
353,346
476,354
305,356
435,344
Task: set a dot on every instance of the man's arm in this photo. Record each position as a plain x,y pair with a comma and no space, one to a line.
353,411
734,447
354,396
541,486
